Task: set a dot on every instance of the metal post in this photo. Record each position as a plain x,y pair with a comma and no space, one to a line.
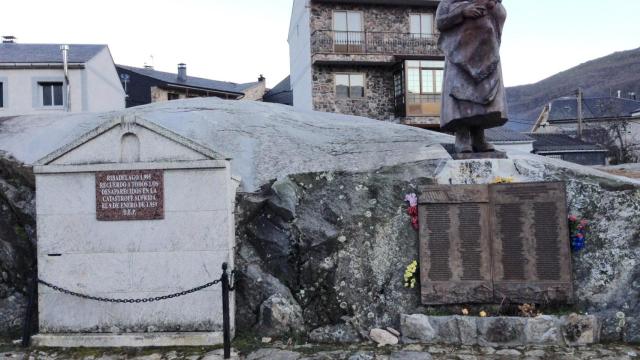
580,95
226,331
28,316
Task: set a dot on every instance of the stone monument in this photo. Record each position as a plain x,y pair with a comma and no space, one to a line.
131,210
473,94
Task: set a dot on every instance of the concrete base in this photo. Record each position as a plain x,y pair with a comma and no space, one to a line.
127,340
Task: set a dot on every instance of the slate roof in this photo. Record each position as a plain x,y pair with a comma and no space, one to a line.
192,81
593,108
281,93
46,53
561,143
503,134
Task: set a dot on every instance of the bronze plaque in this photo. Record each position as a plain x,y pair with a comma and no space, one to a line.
531,249
485,243
455,247
130,195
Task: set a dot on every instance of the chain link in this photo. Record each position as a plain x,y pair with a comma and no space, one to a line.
129,301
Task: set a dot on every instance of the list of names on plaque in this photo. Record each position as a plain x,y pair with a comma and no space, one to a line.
547,245
513,260
470,234
130,195
484,243
438,222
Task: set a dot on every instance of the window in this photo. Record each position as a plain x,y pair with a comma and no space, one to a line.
347,26
425,77
349,85
421,25
51,93
1,95
173,96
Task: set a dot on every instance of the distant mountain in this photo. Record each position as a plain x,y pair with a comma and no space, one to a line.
599,77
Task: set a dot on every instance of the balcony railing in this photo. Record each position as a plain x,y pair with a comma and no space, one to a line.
378,43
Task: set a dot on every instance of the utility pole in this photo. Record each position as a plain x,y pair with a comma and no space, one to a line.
579,93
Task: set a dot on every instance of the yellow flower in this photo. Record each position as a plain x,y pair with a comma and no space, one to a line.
465,311
483,313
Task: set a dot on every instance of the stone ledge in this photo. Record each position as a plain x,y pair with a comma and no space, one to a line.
572,330
128,340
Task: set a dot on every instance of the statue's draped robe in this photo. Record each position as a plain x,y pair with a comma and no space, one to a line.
473,91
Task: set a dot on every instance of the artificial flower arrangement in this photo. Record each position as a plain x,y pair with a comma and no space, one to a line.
410,275
503,180
578,231
412,199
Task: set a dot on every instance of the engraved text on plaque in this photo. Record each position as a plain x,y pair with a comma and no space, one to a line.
130,195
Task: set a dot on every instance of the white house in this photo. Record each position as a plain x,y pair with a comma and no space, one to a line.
33,81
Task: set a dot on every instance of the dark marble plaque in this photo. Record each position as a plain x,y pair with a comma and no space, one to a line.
455,250
531,253
485,243
130,195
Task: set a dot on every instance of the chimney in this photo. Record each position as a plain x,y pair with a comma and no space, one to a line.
8,39
261,78
64,49
182,72
148,67
619,94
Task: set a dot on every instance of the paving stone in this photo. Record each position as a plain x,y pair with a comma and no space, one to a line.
508,352
410,355
273,354
363,355
383,337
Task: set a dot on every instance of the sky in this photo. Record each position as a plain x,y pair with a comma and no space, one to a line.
237,40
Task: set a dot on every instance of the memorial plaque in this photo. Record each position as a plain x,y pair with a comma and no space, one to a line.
485,243
531,250
130,195
455,247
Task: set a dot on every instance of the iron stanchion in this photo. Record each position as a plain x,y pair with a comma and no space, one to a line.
28,316
226,331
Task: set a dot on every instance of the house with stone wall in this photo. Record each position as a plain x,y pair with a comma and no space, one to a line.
372,58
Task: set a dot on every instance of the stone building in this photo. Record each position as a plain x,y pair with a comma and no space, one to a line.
375,58
147,85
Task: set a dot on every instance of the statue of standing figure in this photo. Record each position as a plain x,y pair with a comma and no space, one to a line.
473,96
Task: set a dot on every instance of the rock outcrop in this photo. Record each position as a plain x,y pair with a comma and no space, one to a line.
17,242
322,230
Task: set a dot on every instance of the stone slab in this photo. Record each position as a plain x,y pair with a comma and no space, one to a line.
127,340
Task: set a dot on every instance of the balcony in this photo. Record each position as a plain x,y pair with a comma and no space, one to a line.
368,46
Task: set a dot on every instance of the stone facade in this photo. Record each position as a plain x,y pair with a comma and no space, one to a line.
387,39
375,18
377,103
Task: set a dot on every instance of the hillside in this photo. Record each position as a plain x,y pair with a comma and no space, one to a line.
599,77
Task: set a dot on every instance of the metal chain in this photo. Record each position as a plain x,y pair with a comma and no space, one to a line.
128,301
